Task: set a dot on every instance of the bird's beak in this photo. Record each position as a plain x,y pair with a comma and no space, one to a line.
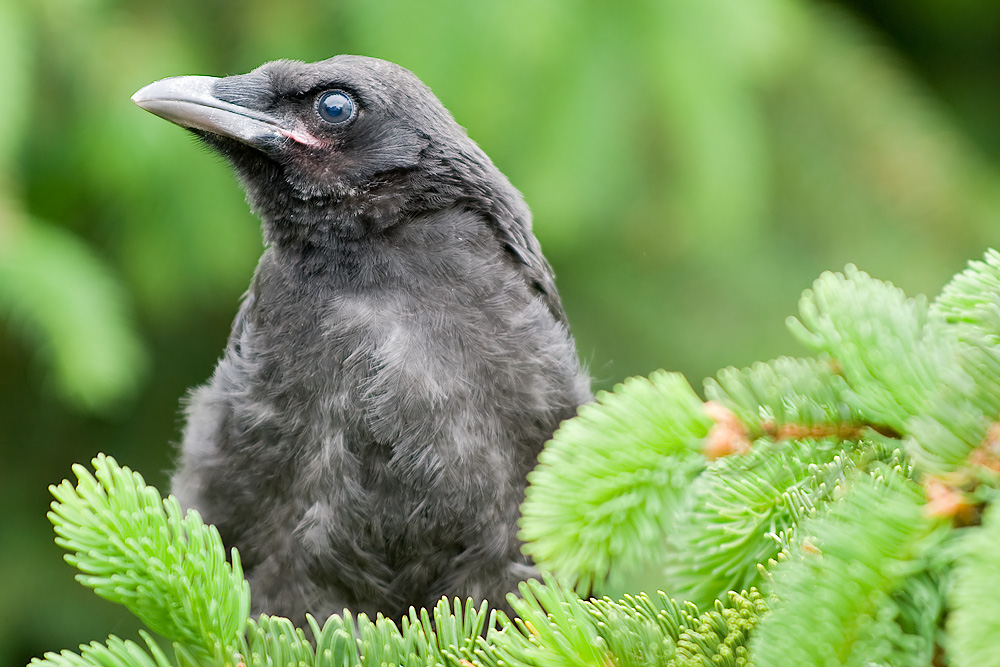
190,101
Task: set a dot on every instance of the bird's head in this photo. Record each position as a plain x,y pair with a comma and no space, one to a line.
358,136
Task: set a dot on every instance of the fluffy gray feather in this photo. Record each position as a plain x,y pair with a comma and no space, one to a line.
400,356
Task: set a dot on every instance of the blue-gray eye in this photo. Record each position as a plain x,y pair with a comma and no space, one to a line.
335,107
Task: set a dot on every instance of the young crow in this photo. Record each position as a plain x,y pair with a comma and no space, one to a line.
400,356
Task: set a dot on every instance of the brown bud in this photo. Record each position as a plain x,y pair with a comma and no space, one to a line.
727,436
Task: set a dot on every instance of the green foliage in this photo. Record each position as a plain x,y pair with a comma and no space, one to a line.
56,291
825,510
743,510
974,618
136,549
946,394
60,296
801,392
115,653
831,591
554,627
132,547
447,636
792,107
814,481
959,413
865,323
971,297
608,484
742,146
691,166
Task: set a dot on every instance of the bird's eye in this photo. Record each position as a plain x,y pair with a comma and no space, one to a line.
335,107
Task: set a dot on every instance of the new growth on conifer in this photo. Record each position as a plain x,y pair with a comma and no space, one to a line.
837,509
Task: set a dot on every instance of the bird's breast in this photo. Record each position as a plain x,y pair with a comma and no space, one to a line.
433,386
398,394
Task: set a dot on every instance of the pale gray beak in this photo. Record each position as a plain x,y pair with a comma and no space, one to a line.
190,101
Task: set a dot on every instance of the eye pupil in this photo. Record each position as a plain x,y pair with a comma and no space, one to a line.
335,107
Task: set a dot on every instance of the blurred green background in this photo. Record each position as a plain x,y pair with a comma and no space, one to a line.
692,165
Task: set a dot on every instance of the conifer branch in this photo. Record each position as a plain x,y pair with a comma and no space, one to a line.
974,600
830,595
135,548
742,512
784,392
892,354
555,628
857,489
962,414
609,482
115,653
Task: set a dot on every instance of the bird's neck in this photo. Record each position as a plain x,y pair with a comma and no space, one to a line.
429,250
346,236
292,222
337,253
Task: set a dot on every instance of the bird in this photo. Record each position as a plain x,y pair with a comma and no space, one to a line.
400,356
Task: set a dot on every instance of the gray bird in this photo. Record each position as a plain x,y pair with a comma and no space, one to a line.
400,356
